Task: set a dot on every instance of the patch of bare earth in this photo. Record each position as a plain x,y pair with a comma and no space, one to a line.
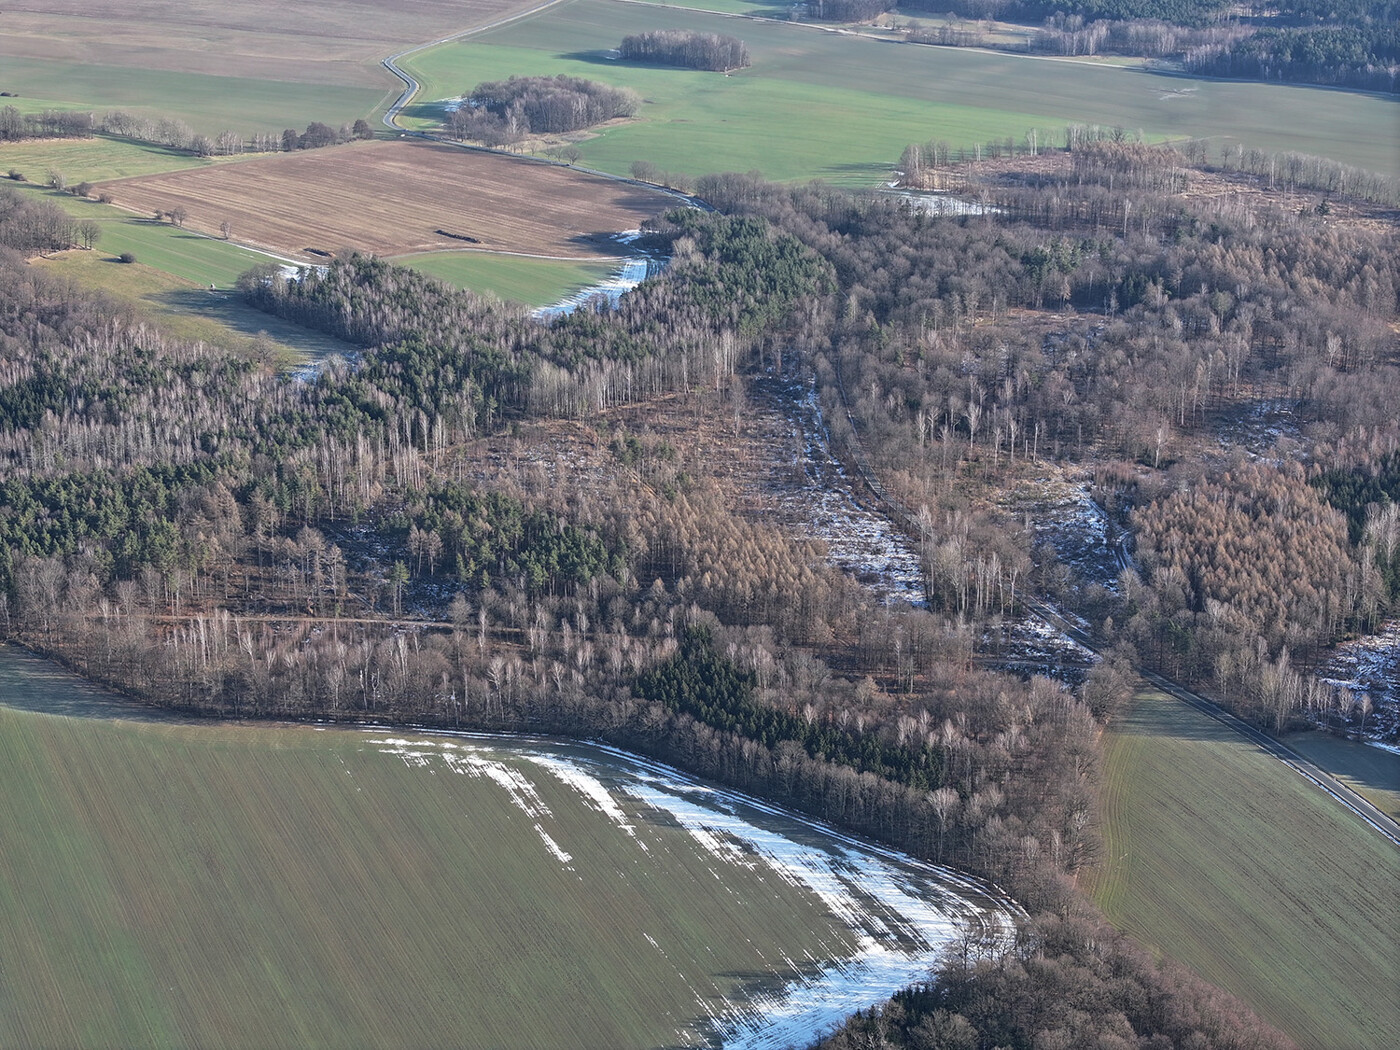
310,41
397,197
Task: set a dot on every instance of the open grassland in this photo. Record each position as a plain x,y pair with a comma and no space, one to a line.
843,106
392,198
1222,858
189,885
178,252
1369,771
190,312
534,282
311,41
208,103
91,160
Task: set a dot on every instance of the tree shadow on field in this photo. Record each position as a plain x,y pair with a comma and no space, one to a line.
865,170
1164,717
1371,767
31,683
602,243
600,58
229,310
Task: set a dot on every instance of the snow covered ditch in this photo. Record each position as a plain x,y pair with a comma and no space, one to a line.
901,911
815,496
632,271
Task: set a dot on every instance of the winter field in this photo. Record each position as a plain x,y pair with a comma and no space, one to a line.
1224,859
841,107
190,884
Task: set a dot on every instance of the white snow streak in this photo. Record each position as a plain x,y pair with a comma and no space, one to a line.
900,912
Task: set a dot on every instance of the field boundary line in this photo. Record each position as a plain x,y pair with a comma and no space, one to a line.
514,255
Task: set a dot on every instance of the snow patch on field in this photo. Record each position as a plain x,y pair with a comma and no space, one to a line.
591,788
900,911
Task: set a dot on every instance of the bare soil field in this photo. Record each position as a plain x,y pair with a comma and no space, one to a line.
393,198
313,41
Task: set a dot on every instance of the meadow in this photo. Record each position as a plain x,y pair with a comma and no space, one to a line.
1219,856
534,282
93,159
207,102
188,311
181,253
171,882
168,284
820,104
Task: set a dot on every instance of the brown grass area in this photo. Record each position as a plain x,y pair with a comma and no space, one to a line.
310,41
391,198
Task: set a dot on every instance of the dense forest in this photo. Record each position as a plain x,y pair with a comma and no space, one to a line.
489,521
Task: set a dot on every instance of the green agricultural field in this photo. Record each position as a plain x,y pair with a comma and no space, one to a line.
190,885
1369,771
1222,858
92,160
842,107
181,253
534,282
209,104
190,312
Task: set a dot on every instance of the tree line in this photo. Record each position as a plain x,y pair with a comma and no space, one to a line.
683,47
49,123
32,226
506,111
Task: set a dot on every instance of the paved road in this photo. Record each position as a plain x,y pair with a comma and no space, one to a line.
411,88
1377,819
411,85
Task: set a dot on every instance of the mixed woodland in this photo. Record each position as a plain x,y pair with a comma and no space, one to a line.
395,539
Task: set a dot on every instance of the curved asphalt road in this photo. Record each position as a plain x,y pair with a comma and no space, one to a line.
411,87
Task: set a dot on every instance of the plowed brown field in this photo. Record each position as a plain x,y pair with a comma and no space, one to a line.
393,198
315,41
